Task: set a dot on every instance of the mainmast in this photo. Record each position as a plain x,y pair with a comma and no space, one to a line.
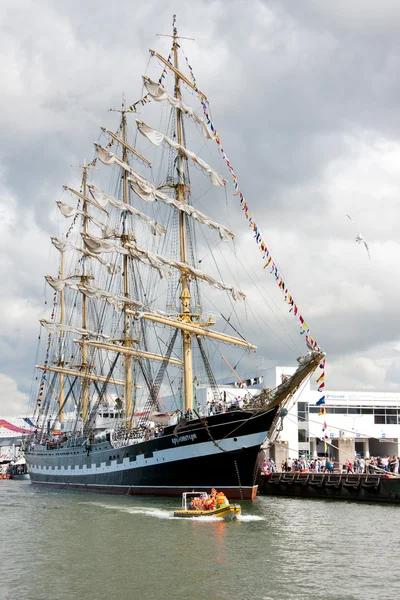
61,395
84,279
127,326
185,293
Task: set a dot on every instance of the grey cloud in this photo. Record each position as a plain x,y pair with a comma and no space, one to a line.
295,88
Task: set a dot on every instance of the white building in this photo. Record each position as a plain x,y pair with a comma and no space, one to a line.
367,423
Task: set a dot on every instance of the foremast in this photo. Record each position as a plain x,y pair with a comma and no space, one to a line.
185,292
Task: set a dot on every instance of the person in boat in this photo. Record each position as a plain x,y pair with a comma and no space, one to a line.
209,503
198,503
221,499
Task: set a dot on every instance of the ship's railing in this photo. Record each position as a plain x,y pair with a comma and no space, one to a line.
124,437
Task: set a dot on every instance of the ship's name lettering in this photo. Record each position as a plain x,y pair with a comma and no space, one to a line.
190,437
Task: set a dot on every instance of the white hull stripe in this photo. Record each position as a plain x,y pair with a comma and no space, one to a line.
208,486
174,454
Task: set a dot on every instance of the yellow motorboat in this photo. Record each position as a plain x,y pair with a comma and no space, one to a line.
194,504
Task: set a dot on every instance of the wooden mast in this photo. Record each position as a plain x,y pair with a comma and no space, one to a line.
61,395
127,326
185,293
85,382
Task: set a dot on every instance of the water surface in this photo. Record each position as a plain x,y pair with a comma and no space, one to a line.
77,545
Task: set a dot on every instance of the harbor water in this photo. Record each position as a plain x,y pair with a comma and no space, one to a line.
57,544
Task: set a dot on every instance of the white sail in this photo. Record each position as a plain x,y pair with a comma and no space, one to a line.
149,193
156,138
118,301
59,284
158,262
152,260
158,93
103,199
127,146
97,245
108,158
57,327
114,300
69,211
64,246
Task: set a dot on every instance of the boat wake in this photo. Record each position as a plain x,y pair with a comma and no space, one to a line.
160,513
249,518
136,510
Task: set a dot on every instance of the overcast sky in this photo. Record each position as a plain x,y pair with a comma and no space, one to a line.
305,96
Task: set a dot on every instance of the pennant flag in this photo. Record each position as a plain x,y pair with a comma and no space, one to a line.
320,401
321,377
258,238
321,387
322,411
325,426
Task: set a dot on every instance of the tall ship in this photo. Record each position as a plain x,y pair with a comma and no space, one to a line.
135,321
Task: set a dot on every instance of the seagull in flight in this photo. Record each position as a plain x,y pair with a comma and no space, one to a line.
360,238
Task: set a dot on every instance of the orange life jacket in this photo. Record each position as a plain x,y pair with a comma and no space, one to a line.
221,498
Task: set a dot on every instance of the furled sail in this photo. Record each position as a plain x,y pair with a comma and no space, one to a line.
69,211
103,199
156,138
97,245
158,93
59,284
108,158
127,146
159,262
117,301
57,327
114,300
94,293
146,191
85,198
64,246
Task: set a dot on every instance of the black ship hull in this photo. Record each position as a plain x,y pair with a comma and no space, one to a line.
222,451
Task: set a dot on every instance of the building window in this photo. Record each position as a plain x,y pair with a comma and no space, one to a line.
367,411
354,411
303,436
340,410
302,416
379,419
302,406
391,419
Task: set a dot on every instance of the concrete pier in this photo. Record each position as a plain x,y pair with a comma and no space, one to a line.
333,486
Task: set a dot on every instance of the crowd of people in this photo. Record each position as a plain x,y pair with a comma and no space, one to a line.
373,464
208,501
